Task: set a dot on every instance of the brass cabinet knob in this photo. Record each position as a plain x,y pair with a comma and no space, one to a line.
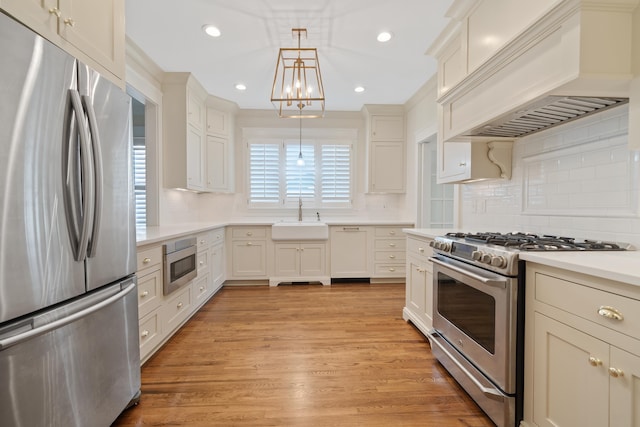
594,361
615,372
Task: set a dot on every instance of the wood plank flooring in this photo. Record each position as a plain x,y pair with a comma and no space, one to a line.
301,355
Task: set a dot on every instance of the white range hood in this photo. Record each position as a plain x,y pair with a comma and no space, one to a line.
576,60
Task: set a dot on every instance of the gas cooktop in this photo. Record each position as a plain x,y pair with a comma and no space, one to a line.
498,252
535,242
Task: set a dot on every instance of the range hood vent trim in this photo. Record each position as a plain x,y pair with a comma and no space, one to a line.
546,113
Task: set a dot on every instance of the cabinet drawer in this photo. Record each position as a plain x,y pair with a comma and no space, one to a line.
389,232
390,270
177,308
248,232
589,303
205,240
201,289
217,236
150,333
149,292
149,257
391,244
202,260
390,256
419,247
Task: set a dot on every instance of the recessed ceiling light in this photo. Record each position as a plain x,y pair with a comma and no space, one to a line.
359,89
212,30
384,36
241,86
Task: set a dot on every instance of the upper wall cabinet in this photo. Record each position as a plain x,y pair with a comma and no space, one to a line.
386,154
500,60
220,136
183,117
91,30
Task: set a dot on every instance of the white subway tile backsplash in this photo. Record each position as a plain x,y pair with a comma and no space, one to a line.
578,179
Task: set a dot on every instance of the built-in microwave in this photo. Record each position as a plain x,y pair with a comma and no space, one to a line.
180,265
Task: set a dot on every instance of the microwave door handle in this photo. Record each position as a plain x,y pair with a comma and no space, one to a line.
97,165
87,175
485,280
490,392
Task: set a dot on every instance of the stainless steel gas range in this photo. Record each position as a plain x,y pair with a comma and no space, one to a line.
478,312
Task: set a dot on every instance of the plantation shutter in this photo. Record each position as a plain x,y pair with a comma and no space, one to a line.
300,179
264,173
335,173
140,182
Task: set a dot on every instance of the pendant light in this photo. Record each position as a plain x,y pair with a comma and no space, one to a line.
297,90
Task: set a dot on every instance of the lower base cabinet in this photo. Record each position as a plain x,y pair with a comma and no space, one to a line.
300,261
582,367
419,284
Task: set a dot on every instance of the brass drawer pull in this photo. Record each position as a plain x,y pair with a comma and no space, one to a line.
146,260
610,313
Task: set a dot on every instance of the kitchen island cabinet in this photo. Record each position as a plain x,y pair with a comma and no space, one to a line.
582,350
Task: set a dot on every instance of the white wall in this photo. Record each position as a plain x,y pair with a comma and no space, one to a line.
579,179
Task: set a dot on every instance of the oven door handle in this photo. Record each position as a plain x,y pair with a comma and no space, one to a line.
485,280
490,392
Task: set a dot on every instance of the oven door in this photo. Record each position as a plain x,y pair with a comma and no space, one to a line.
475,310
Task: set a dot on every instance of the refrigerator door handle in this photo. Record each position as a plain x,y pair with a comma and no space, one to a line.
87,176
31,333
97,164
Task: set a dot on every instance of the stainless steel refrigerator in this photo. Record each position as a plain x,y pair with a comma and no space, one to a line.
69,352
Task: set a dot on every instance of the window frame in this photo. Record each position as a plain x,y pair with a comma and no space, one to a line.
314,137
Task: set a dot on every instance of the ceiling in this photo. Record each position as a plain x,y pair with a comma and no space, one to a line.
343,31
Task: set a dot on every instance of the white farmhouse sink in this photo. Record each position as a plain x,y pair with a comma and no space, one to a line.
299,231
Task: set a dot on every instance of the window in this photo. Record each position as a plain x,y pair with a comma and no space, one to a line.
139,162
276,179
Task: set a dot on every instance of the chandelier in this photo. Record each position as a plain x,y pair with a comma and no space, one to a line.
297,90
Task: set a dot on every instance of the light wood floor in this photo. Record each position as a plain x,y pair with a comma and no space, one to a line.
301,355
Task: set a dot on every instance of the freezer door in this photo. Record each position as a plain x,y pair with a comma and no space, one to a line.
37,268
78,365
111,254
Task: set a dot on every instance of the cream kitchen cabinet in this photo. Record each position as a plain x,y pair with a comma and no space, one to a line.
217,268
249,248
220,119
419,284
350,248
300,262
184,146
150,296
471,161
91,30
389,253
386,152
582,350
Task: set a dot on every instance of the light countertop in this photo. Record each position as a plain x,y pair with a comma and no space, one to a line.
156,234
623,266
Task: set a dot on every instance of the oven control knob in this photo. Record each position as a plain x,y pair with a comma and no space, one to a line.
498,261
486,258
432,243
446,246
476,255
